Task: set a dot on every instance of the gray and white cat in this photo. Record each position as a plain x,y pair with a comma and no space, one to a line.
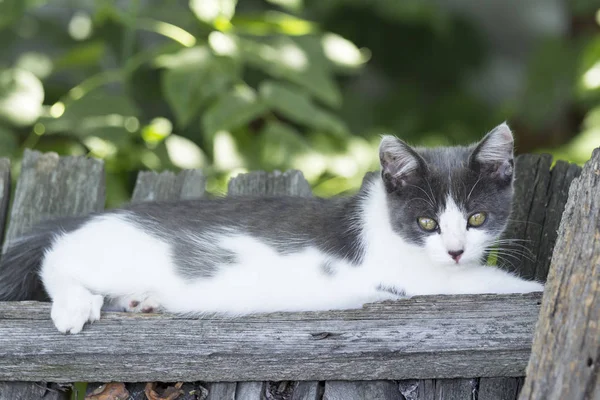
421,226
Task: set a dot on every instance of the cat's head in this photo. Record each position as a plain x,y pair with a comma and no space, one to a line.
452,201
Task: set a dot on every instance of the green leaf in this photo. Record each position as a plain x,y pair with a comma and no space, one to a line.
190,85
279,143
21,97
211,11
97,113
232,110
296,105
299,60
8,142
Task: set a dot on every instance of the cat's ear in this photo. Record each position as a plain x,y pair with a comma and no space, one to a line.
494,153
399,162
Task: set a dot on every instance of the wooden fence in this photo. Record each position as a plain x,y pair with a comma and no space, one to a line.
432,347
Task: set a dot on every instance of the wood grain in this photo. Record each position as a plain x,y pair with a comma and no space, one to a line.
289,183
425,337
50,187
540,197
362,390
565,361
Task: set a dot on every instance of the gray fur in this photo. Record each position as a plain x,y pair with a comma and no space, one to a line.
287,223
391,289
19,265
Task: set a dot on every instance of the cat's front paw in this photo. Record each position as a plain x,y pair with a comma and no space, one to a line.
70,313
528,287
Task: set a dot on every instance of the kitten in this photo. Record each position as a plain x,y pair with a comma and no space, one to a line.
421,226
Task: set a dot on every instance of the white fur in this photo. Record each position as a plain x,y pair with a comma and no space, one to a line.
111,258
455,236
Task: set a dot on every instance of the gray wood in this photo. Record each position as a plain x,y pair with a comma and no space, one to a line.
166,186
565,360
499,388
31,391
439,389
562,176
362,390
51,187
540,198
291,183
221,390
421,337
250,391
4,193
308,390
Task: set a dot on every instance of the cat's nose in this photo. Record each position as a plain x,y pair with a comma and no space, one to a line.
456,254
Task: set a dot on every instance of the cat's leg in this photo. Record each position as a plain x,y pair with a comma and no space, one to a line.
108,257
469,280
72,304
484,279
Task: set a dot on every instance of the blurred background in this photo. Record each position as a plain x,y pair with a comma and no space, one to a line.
231,86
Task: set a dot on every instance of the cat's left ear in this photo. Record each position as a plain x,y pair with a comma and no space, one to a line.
494,153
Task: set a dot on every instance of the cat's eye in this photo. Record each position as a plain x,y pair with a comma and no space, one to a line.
477,219
427,224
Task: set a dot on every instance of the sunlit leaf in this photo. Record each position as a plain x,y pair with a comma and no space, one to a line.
38,64
190,85
184,153
296,105
232,110
210,11
299,60
292,5
273,22
21,97
98,113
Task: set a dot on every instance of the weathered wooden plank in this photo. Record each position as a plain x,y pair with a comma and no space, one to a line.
4,193
439,389
291,183
31,391
499,388
540,198
308,390
426,337
362,390
165,186
51,187
250,391
565,361
221,390
532,175
562,176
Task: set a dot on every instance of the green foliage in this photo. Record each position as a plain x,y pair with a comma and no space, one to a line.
230,85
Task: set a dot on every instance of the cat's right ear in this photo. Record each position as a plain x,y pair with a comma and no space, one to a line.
399,162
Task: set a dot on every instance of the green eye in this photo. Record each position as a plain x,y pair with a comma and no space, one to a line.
477,219
427,224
